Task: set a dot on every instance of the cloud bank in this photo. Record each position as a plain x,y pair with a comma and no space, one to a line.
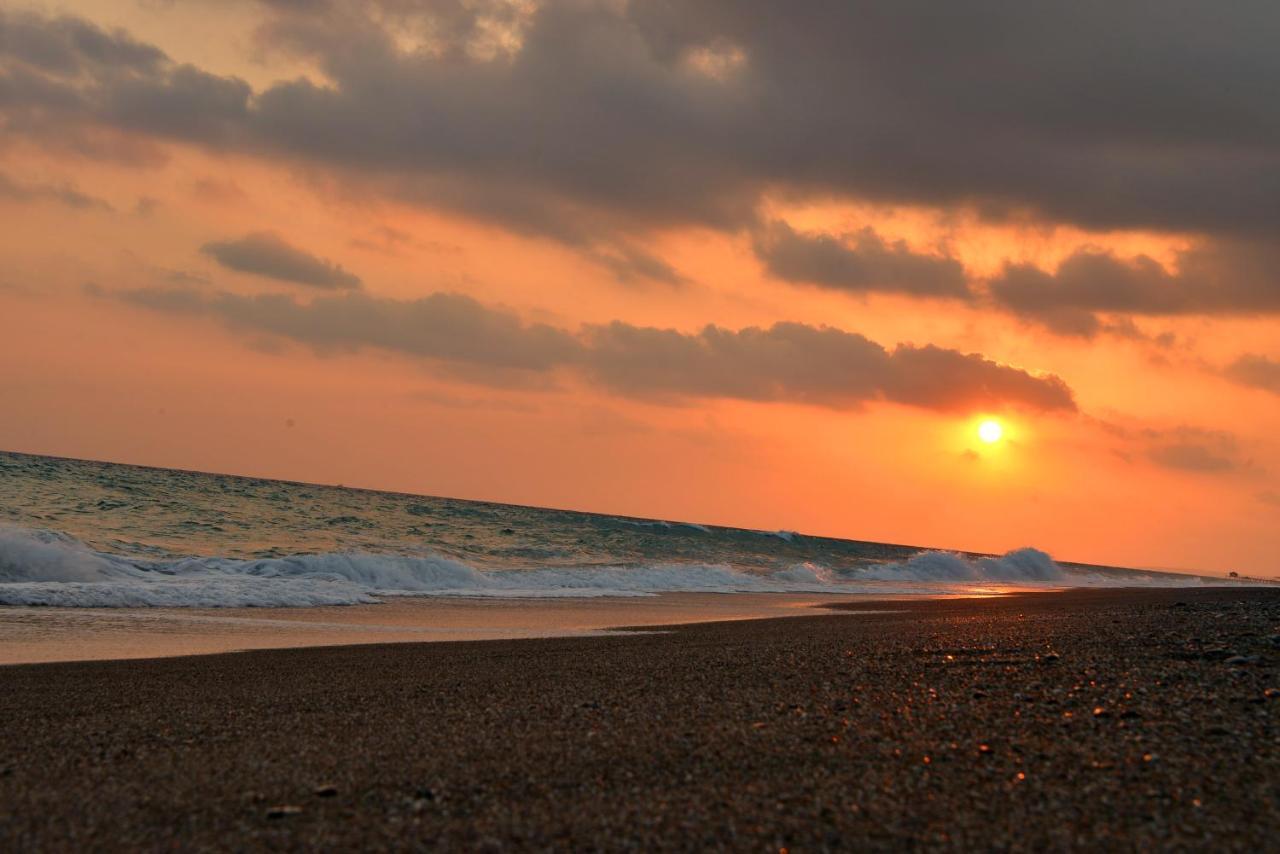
786,362
592,122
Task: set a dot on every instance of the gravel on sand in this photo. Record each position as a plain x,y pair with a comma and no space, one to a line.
1132,719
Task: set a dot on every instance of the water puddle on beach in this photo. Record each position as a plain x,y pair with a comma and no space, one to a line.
33,634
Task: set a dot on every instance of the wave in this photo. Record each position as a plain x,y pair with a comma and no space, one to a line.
661,524
53,569
1017,567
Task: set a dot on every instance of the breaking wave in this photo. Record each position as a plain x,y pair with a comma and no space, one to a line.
52,569
1017,567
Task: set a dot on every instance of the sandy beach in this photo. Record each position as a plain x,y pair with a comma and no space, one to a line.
37,635
1131,719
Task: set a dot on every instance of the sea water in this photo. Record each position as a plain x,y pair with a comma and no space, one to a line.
99,535
99,560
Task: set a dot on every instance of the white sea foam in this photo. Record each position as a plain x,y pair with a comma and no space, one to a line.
1023,566
786,536
659,523
46,568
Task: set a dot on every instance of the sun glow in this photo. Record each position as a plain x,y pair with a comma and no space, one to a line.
990,431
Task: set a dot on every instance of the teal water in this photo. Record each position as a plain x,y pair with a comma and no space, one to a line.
101,534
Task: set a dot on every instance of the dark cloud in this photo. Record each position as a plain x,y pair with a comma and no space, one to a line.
785,362
1194,450
266,254
1192,457
182,101
820,365
597,123
1255,371
1222,277
859,263
68,46
1181,448
610,117
446,327
62,193
183,277
629,265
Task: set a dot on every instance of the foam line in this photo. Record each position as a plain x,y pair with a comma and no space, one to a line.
54,569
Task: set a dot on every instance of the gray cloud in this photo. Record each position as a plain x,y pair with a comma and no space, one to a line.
1255,371
267,254
62,193
1192,457
820,365
446,327
785,362
630,264
70,46
605,121
1223,277
861,262
1184,448
1195,450
604,125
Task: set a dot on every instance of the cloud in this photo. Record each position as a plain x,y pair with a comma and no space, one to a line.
630,264
266,254
61,193
447,327
1194,450
791,362
818,365
1192,457
68,46
860,263
589,120
599,124
1255,371
1223,277
1183,447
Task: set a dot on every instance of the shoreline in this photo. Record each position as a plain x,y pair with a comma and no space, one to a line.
36,635
1129,719
47,635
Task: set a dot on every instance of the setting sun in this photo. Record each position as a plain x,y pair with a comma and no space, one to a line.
990,431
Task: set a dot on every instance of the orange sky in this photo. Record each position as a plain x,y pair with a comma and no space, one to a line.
1168,459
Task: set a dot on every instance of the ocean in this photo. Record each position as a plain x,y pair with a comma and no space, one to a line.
101,535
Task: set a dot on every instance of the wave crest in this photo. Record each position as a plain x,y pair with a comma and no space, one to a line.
1020,566
49,568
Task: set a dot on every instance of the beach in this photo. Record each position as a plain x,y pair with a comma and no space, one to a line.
1127,718
33,635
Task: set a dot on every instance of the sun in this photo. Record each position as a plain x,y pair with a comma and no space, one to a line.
990,431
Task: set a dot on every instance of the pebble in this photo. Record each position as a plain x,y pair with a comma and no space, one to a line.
481,743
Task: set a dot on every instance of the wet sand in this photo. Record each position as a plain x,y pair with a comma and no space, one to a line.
30,635
1130,719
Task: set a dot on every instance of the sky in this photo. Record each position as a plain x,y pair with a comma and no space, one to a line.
727,261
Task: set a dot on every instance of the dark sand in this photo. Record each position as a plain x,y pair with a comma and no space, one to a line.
1135,719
